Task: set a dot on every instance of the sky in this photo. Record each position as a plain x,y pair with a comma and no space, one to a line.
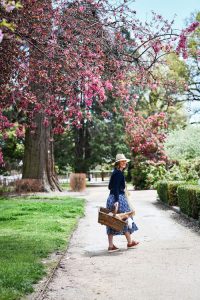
167,8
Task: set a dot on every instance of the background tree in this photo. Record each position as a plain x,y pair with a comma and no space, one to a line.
193,89
104,139
182,148
167,92
13,150
183,143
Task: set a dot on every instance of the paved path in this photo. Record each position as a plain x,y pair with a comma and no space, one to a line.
165,266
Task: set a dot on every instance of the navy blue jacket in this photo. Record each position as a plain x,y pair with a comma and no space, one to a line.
117,184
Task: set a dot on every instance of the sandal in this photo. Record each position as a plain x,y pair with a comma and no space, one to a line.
113,249
133,244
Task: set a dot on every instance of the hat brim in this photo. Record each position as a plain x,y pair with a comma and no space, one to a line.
127,160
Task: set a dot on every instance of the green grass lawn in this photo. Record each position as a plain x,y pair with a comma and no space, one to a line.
30,229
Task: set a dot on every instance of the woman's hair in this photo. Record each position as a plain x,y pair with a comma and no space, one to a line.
116,165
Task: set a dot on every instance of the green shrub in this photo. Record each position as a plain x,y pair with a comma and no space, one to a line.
162,190
184,170
189,200
167,191
139,176
145,174
172,187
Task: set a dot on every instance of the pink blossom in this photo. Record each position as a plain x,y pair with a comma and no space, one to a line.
95,80
145,135
81,9
46,122
192,27
185,54
108,85
154,86
5,136
20,133
102,94
88,102
105,114
182,45
182,42
157,47
80,115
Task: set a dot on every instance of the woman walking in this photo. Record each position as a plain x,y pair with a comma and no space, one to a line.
118,202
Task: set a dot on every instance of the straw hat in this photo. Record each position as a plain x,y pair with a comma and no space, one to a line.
120,157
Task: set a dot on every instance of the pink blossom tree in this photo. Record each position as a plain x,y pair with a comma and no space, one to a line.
63,58
145,136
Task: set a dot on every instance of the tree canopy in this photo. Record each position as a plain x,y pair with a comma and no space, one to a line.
183,143
61,60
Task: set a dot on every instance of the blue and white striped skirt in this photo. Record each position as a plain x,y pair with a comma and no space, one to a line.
123,207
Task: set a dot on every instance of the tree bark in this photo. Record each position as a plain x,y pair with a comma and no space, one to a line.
39,156
82,149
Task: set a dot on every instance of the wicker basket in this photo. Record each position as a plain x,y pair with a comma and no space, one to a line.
108,220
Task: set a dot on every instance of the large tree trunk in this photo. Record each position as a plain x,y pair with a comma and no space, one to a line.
38,164
82,149
39,156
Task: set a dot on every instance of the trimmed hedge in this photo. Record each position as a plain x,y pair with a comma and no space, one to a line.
189,200
179,193
172,192
167,191
162,191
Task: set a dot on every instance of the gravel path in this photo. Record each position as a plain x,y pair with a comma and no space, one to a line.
166,264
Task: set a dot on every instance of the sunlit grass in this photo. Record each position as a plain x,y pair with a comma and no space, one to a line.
30,229
65,186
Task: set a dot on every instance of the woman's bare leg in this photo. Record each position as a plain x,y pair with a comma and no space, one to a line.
130,243
110,240
128,237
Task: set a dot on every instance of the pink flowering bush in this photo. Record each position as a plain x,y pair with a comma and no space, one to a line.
146,136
